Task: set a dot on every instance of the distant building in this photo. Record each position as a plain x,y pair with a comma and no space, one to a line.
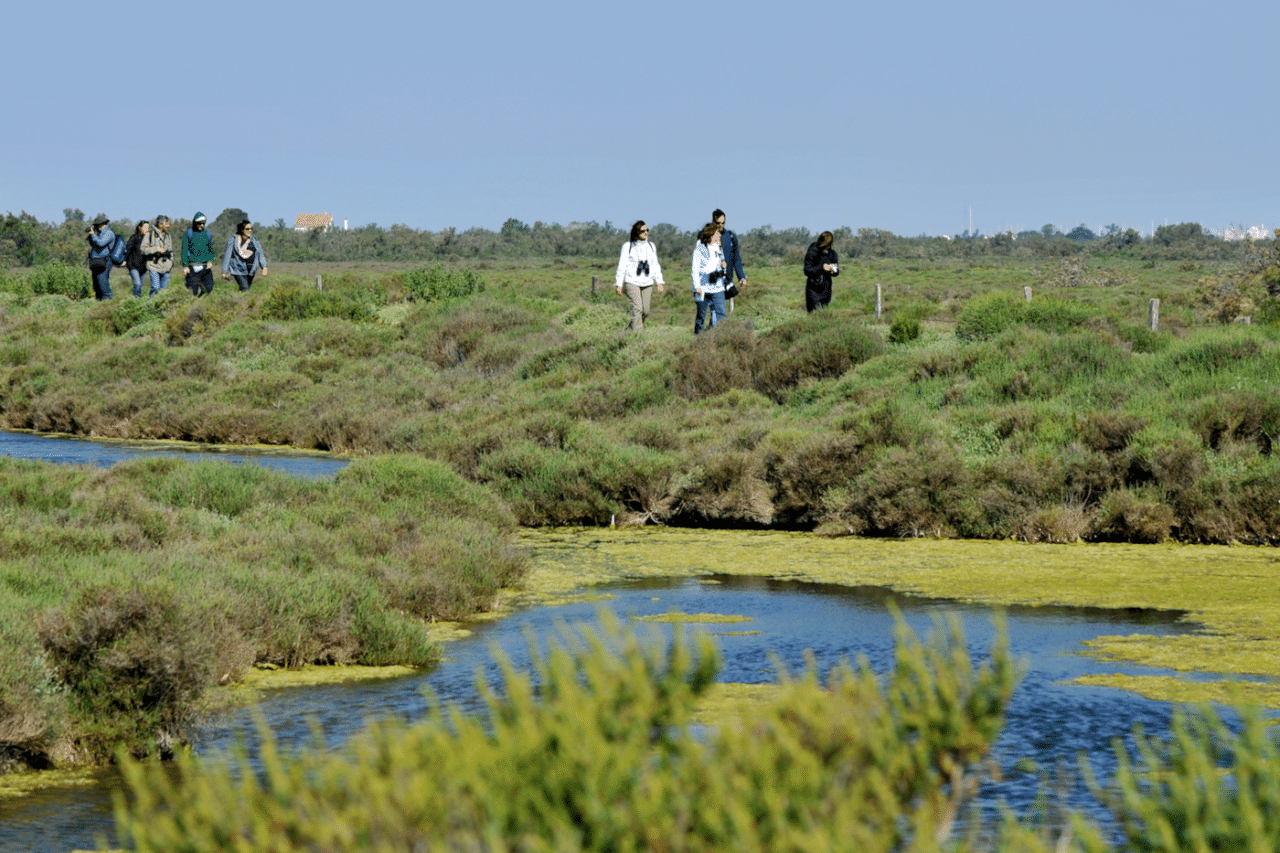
312,221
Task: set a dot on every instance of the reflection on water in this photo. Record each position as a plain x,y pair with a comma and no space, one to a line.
71,450
1049,722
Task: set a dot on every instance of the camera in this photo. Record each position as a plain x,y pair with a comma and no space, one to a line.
642,267
715,275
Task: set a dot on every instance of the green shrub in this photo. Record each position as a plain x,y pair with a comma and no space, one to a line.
299,302
127,314
715,361
1126,516
1204,787
208,485
986,316
61,280
595,753
1269,312
13,287
133,662
435,283
824,345
989,314
904,329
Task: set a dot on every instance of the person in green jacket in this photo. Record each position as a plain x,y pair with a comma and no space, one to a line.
197,257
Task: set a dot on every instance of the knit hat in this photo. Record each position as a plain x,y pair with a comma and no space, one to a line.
197,217
101,220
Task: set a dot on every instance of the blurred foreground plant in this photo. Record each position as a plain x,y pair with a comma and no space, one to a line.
596,753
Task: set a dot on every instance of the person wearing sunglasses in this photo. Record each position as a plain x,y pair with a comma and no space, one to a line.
638,272
243,256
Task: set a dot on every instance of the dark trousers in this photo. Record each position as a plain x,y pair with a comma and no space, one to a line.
101,283
245,281
200,283
817,295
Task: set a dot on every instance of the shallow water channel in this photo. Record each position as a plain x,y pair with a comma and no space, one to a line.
72,450
1050,722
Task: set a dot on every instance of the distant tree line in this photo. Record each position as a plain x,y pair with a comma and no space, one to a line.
27,242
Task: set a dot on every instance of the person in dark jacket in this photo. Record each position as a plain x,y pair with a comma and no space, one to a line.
820,266
134,261
732,253
197,257
101,238
244,256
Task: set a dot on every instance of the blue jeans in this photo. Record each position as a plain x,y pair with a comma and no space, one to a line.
137,276
711,308
159,281
102,284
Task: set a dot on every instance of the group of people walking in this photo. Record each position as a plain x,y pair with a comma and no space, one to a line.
148,256
716,263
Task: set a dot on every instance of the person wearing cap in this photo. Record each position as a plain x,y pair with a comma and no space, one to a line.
100,238
198,256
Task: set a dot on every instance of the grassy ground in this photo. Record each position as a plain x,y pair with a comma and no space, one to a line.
127,593
514,396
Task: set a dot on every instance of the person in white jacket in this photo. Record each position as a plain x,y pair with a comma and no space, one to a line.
638,272
709,273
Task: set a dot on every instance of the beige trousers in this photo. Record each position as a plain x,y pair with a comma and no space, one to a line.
639,298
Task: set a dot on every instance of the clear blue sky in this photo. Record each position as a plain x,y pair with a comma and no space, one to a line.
821,114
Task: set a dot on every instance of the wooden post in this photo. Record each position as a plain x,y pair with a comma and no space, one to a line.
595,284
1026,293
1153,315
319,283
879,300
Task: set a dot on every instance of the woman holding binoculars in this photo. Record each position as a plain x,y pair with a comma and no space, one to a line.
709,278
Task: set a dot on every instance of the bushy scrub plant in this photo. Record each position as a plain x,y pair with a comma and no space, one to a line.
472,335
300,302
714,362
433,283
903,491
904,330
1207,786
594,752
13,287
60,280
133,661
551,486
129,592
986,316
190,318
824,345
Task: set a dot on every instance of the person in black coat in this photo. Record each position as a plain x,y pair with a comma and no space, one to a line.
820,266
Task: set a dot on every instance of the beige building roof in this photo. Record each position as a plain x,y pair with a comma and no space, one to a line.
307,221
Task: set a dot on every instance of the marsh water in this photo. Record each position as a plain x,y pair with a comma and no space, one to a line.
1050,722
72,450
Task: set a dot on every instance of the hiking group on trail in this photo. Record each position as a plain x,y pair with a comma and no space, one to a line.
716,262
148,254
